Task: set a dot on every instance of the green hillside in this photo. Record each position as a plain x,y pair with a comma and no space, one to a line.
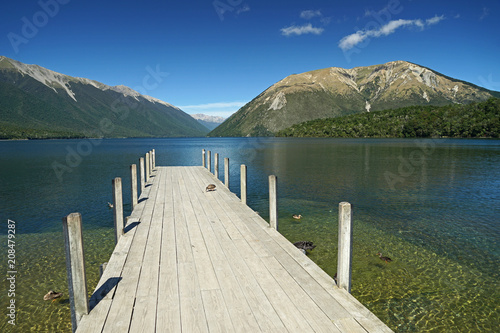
32,110
475,120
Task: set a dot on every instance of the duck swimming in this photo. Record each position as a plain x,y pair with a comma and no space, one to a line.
52,295
304,245
386,259
297,217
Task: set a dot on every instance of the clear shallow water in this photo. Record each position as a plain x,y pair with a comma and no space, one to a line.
432,206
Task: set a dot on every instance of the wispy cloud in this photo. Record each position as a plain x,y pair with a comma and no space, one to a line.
309,14
301,30
245,8
348,42
486,12
219,105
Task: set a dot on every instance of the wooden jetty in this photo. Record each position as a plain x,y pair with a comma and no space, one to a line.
189,260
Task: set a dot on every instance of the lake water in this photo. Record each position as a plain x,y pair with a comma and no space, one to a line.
433,206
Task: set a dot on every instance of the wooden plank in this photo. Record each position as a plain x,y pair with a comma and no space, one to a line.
239,310
218,318
120,312
168,314
144,315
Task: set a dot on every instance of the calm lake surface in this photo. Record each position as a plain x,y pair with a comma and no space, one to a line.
433,206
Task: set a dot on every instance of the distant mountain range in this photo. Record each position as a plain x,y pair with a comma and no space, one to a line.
209,122
36,102
333,92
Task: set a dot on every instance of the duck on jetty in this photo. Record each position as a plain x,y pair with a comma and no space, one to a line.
297,216
210,187
386,259
52,295
304,246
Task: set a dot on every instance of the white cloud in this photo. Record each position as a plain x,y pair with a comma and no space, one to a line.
309,14
301,30
245,8
434,20
348,42
222,109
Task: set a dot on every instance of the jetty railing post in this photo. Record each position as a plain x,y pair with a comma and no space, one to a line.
243,183
209,160
226,171
147,168
344,259
133,182
118,207
75,266
216,165
273,202
141,171
150,163
203,158
154,159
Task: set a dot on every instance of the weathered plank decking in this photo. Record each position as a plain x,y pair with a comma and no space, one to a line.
196,261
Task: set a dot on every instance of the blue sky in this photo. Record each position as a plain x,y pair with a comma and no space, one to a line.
212,57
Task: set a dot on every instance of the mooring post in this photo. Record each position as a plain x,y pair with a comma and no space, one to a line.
243,183
75,267
216,165
150,163
154,159
147,168
133,184
209,160
344,257
273,202
118,207
141,171
102,268
203,158
226,171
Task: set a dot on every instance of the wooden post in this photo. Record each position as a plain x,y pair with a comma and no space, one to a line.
75,267
209,161
216,165
118,207
147,168
243,183
102,268
141,171
133,184
273,202
226,171
203,157
344,258
154,159
150,163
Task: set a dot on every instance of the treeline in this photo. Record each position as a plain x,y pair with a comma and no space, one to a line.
12,132
475,120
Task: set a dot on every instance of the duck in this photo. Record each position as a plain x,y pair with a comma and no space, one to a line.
210,187
297,216
52,295
304,245
386,259
110,205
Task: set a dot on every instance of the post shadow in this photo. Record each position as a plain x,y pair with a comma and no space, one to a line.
103,290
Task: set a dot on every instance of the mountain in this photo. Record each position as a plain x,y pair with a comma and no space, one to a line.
210,122
334,92
36,102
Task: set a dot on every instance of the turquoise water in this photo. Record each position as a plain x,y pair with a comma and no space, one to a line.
431,205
